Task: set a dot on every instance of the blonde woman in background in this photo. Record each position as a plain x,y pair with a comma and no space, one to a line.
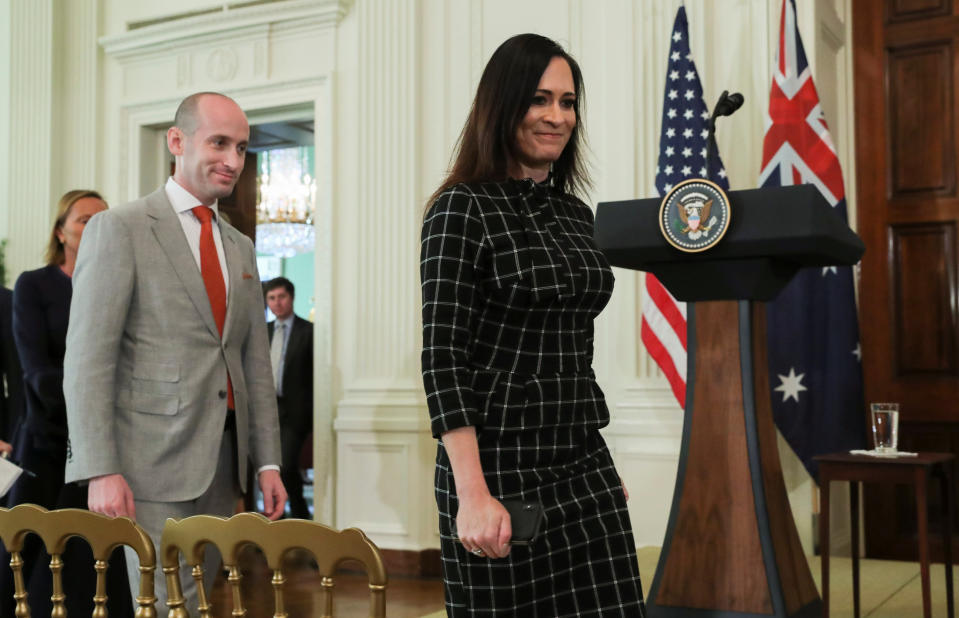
41,309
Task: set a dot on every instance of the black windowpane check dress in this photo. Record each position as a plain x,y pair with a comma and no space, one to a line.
511,283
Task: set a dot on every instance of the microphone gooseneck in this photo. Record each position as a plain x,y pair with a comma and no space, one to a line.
725,106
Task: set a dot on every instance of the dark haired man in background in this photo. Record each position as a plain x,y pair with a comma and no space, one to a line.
291,353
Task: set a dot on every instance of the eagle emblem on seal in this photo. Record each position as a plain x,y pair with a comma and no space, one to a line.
694,215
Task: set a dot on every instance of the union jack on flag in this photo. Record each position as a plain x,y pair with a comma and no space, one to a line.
813,330
682,155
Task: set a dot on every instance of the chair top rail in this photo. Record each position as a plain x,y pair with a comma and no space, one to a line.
328,546
102,533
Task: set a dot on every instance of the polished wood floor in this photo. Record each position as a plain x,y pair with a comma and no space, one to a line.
406,597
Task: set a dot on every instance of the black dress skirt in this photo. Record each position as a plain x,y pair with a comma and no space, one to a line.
512,282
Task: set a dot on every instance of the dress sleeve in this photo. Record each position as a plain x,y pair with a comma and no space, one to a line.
452,242
42,374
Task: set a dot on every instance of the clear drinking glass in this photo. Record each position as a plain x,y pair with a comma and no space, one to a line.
885,426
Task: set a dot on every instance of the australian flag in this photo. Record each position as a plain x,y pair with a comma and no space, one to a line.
813,331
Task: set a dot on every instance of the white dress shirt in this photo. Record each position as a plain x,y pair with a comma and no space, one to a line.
183,204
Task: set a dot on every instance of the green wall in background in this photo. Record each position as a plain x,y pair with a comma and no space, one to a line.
299,270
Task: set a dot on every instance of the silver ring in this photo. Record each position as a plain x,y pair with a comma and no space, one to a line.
477,552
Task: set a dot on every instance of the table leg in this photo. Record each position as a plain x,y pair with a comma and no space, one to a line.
948,500
824,537
920,479
854,513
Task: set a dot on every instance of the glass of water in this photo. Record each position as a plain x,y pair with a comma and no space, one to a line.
885,426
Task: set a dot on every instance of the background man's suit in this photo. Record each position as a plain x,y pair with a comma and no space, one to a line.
295,409
145,373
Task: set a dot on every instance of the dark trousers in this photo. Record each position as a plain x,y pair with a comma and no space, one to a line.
291,444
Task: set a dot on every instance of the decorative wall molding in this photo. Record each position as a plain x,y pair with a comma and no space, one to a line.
76,121
30,197
311,14
389,197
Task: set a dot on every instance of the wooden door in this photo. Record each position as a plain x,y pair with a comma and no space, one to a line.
906,71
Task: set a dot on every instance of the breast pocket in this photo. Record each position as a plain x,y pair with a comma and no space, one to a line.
153,389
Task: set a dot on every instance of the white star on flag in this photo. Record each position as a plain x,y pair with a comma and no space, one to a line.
704,115
687,170
687,133
669,151
702,172
791,385
704,133
688,114
673,94
674,56
687,152
670,132
677,36
671,113
857,352
722,172
668,170
674,75
689,95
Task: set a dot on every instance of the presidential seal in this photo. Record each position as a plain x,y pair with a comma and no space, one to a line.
694,215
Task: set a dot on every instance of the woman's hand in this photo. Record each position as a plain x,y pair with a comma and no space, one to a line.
483,525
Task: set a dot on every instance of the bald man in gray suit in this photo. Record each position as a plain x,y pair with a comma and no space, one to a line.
167,372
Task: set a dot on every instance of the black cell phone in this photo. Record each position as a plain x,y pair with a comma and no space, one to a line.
526,518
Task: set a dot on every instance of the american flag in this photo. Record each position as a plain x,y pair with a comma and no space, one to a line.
682,155
813,330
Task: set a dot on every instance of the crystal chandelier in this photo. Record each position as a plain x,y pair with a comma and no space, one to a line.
287,202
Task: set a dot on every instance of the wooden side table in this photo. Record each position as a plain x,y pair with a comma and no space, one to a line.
915,471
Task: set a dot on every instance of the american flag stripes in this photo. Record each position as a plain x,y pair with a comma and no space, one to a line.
682,155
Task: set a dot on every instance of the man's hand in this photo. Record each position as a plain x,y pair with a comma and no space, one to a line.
274,494
109,494
5,448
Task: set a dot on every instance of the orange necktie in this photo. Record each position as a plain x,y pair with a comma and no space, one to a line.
213,280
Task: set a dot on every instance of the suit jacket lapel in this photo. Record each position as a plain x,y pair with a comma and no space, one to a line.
234,267
169,233
291,341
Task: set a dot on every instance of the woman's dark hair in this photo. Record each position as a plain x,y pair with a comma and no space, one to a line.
488,141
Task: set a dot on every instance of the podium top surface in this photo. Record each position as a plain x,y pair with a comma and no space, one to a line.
792,224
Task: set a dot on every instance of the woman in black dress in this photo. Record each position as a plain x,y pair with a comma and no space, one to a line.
41,310
511,283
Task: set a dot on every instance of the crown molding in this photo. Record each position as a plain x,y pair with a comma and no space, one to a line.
214,26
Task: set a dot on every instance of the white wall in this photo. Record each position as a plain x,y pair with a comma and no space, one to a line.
390,83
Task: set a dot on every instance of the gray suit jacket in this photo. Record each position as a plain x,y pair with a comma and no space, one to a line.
145,371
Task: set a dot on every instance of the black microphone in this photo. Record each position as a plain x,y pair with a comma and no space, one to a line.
725,106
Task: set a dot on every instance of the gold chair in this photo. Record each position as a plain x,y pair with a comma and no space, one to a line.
103,534
275,538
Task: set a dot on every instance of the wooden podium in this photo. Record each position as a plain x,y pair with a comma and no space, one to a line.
731,548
